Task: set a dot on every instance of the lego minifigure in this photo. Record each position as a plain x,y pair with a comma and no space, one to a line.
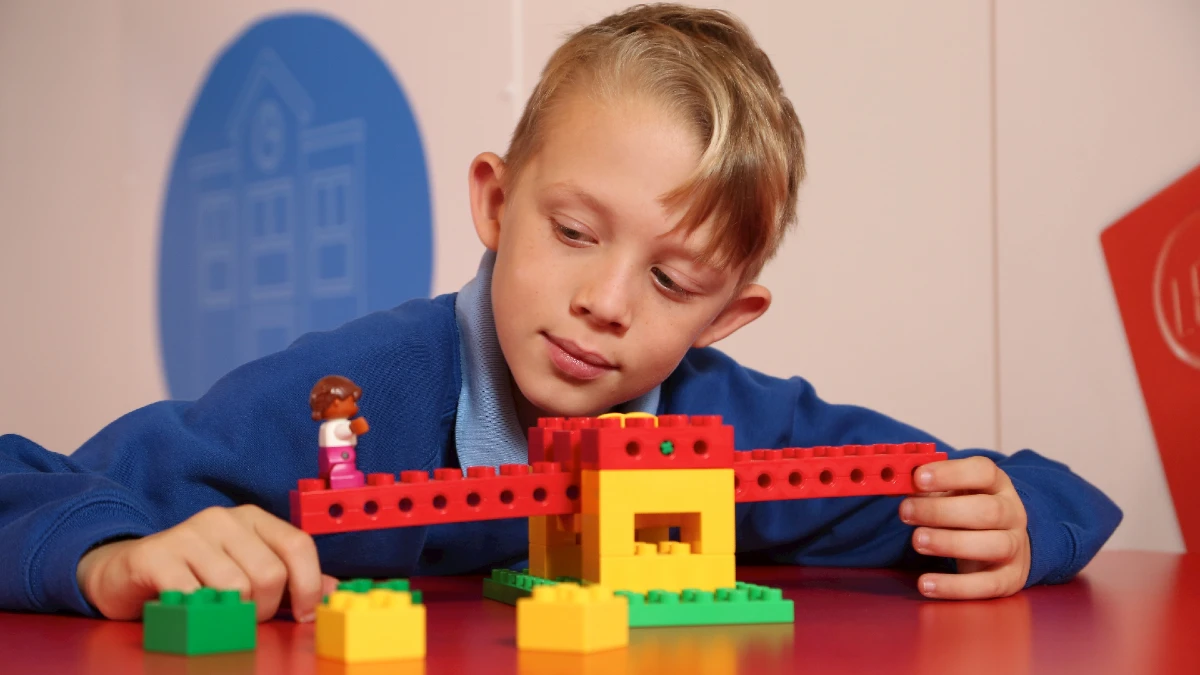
334,400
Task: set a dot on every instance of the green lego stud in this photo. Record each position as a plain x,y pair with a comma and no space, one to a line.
508,586
207,621
666,448
745,604
366,585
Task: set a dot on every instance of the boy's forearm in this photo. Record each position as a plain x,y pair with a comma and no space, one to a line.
1069,519
44,544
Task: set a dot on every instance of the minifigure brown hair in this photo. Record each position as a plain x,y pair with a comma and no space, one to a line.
329,389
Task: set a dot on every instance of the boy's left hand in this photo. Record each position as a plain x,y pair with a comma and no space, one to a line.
969,510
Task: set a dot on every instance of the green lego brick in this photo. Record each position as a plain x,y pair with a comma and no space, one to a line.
365,585
745,604
508,586
207,621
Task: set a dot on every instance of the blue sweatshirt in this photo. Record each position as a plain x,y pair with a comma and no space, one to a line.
251,436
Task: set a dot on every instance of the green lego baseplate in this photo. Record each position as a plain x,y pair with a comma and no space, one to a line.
508,586
365,585
207,621
743,604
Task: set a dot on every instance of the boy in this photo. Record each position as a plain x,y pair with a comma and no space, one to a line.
652,175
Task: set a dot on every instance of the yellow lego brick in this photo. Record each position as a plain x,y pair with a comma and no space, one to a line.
651,534
657,490
670,566
613,501
625,416
569,618
379,625
653,520
554,530
551,562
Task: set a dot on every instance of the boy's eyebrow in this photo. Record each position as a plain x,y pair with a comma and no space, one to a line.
569,189
589,200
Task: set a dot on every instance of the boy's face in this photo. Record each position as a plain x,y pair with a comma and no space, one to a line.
596,300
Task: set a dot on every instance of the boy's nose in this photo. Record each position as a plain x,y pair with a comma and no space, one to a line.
605,304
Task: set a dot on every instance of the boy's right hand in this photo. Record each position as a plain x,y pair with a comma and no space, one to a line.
243,548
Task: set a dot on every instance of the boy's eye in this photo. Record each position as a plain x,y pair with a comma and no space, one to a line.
570,234
669,284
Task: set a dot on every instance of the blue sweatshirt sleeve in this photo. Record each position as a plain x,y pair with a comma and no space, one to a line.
246,441
1068,518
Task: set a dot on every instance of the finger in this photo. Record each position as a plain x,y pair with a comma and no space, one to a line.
173,575
295,548
970,512
124,587
216,569
982,545
262,566
978,474
997,582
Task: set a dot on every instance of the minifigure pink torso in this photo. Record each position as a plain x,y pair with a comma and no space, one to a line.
336,460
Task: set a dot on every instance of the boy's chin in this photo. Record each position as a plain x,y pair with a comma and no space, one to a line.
553,402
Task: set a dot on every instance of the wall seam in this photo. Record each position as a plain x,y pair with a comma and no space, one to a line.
993,123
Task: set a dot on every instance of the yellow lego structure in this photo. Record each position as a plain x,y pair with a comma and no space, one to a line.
553,562
667,566
627,514
379,625
700,500
554,547
570,618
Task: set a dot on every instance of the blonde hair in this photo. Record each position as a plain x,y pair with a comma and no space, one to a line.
704,65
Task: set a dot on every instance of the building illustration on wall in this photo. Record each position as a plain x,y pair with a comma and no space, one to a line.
280,232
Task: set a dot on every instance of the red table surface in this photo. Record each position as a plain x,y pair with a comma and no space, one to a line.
1128,612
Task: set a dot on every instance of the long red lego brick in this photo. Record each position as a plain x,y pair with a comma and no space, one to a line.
519,491
678,442
838,471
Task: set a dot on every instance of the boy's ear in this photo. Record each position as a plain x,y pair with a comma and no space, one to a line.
487,197
746,306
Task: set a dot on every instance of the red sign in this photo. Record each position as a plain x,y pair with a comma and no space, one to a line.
1153,256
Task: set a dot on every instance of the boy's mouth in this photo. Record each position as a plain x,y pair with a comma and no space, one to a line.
575,361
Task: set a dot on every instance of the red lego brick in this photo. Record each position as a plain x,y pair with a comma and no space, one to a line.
678,442
838,471
542,436
519,491
544,443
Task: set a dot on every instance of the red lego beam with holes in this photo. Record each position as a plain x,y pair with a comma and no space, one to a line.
519,491
560,448
838,471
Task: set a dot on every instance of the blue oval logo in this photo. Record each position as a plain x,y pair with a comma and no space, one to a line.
298,200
